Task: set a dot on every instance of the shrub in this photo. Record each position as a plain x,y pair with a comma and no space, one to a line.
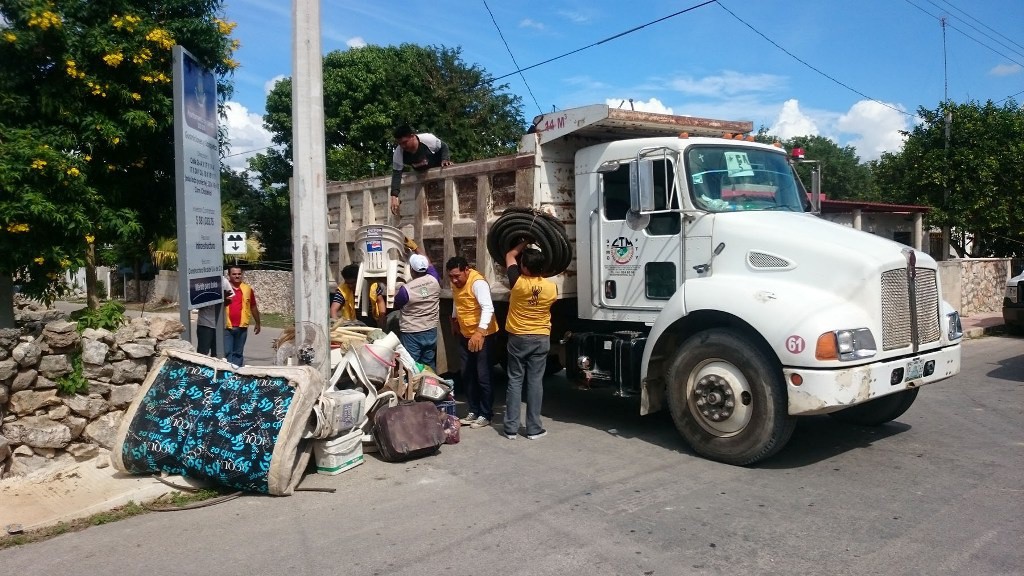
109,316
75,381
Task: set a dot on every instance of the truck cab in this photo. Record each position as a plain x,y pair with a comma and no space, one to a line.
699,255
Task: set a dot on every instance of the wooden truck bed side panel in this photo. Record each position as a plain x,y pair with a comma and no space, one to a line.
449,210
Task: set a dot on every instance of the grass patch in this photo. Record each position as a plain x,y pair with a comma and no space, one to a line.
174,499
45,533
276,320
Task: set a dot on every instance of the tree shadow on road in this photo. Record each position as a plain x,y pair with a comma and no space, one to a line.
1011,369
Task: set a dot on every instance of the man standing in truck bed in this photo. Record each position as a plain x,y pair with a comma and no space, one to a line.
421,151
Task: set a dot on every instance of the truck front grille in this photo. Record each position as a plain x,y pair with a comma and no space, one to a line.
896,308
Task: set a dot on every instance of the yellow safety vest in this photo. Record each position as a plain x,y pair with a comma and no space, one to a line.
529,306
467,309
245,302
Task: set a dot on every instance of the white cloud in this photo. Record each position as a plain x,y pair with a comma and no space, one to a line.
1006,70
877,127
269,84
527,23
246,135
792,122
355,42
574,16
728,83
652,105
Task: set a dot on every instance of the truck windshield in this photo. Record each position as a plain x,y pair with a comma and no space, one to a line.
732,178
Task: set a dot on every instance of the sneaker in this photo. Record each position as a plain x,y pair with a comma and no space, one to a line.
540,434
469,419
509,436
480,422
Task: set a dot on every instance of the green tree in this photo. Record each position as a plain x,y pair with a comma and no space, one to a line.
843,176
261,210
370,90
86,126
982,171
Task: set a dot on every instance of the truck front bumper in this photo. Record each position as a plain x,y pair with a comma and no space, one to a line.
824,391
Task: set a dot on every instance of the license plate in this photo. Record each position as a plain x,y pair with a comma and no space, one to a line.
915,369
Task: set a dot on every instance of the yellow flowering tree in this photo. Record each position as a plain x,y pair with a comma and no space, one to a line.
86,126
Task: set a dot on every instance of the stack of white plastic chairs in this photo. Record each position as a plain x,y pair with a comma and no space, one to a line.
382,249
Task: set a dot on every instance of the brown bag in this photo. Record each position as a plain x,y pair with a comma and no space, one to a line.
407,431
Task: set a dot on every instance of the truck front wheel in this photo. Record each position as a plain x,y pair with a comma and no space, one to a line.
727,399
878,411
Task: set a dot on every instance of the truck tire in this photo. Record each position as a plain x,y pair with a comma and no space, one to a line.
727,399
878,411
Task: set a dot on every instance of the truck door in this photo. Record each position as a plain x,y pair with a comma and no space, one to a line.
639,259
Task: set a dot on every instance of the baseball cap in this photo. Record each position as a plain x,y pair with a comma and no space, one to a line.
418,262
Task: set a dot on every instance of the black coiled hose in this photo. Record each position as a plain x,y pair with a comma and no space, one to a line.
547,232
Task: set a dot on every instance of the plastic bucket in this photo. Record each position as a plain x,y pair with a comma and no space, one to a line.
336,455
375,362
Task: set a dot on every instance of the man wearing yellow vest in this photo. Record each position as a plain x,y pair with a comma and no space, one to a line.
474,326
240,312
529,338
343,299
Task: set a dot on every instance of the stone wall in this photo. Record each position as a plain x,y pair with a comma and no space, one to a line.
975,285
274,290
39,423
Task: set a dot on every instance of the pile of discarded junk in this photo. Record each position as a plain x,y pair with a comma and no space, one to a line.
380,399
254,428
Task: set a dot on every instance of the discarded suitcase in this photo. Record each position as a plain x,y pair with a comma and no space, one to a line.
408,431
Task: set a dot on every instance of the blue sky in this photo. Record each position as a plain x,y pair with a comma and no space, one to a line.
705,62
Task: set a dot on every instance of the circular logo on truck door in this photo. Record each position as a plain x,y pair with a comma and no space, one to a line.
622,250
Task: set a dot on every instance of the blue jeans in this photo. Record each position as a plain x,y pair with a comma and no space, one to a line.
422,346
234,344
527,357
475,374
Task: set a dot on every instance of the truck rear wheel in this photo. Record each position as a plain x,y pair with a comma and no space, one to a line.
878,411
727,399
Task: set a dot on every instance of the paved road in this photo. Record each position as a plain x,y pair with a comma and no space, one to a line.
608,492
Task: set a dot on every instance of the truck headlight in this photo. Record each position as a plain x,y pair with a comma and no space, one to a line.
954,329
846,345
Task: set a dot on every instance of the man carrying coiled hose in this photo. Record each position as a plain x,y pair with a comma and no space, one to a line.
529,338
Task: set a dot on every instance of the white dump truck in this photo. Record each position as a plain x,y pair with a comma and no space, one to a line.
701,279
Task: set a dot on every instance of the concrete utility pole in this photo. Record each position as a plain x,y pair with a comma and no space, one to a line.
309,186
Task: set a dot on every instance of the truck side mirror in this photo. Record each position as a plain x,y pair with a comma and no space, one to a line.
641,186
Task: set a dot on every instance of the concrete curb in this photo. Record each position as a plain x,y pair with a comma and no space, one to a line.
982,331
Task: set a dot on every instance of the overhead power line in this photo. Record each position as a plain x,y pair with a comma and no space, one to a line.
608,39
1008,97
805,63
509,50
950,4
965,34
